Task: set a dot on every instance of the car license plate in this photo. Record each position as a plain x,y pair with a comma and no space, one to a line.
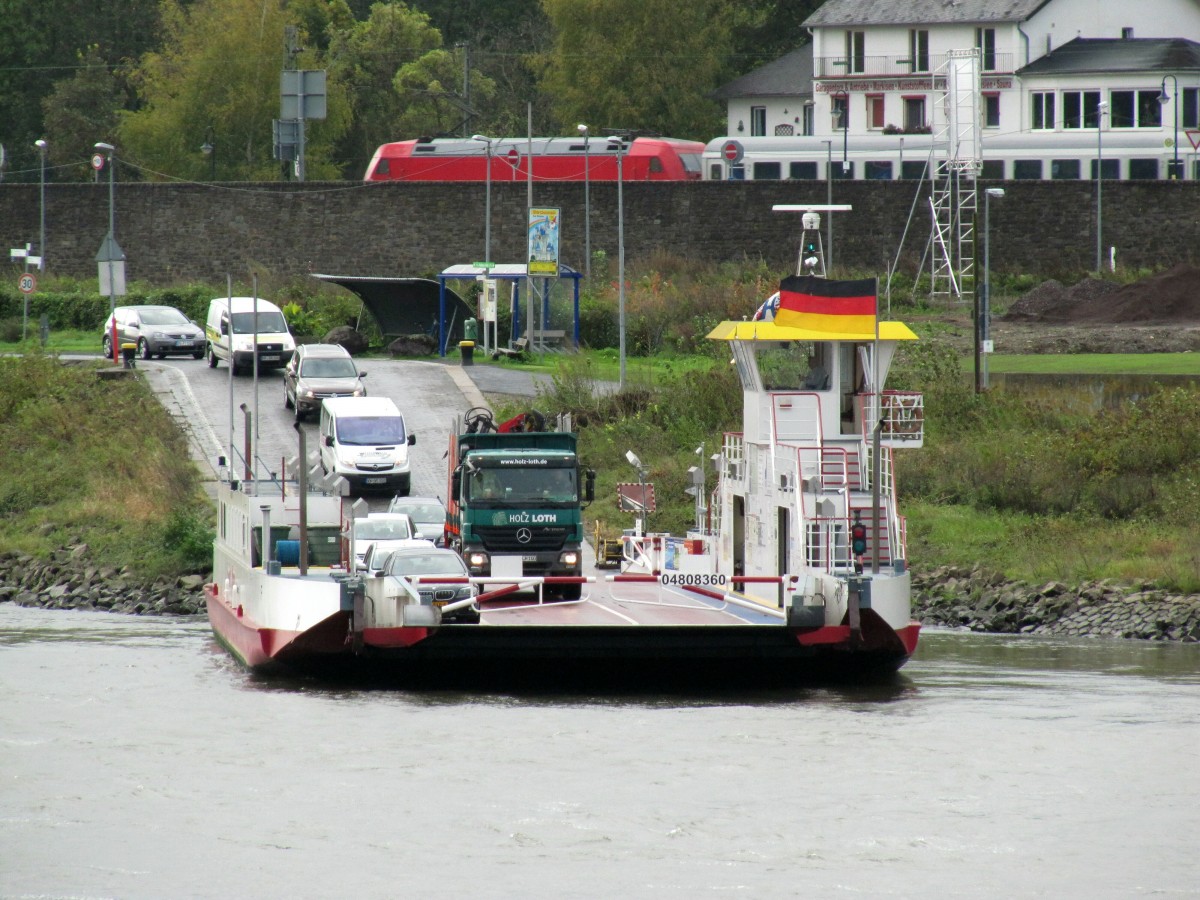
270,359
439,602
183,343
375,480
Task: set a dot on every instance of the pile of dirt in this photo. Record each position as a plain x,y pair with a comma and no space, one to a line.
1170,298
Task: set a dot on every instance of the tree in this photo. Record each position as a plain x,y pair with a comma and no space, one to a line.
433,106
219,67
78,112
638,64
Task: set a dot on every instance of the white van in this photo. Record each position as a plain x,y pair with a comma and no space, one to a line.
229,334
366,441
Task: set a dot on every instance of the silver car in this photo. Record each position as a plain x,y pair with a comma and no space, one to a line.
156,330
317,372
432,563
428,514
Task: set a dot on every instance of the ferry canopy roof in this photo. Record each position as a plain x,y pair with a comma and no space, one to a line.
769,331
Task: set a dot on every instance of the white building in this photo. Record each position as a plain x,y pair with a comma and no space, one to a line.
1047,66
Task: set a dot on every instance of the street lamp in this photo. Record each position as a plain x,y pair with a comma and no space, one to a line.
110,242
829,200
487,209
587,205
209,149
620,254
1163,98
983,322
843,114
1101,109
42,148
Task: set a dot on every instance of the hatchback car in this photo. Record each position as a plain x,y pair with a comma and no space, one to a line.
387,532
317,372
156,330
433,563
427,513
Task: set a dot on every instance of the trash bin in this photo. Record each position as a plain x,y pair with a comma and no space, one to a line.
467,349
470,330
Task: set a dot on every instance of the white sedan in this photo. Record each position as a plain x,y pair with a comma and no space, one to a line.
386,532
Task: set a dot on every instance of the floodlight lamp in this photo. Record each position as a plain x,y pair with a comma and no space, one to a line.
995,192
633,459
102,146
581,128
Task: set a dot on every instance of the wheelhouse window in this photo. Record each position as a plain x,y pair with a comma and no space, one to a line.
985,40
918,49
1042,105
1080,109
758,121
875,111
856,57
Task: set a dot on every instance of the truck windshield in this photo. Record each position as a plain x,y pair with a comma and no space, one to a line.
269,322
508,487
371,430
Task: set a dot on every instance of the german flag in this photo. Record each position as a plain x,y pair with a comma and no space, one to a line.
821,304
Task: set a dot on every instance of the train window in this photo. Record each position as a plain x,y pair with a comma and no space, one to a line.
383,167
912,169
767,171
1196,170
716,172
842,171
655,164
877,171
691,162
1110,170
737,173
1027,169
992,168
1061,169
802,171
1143,169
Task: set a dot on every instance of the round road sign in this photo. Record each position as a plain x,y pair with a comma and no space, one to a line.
97,161
27,283
513,155
732,152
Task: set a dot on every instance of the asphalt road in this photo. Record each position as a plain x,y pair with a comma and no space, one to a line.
430,394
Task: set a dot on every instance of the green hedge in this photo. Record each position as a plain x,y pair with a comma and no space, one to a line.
82,311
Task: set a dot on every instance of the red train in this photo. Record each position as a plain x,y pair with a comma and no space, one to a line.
553,159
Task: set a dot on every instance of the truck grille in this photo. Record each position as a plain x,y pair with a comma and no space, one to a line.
503,539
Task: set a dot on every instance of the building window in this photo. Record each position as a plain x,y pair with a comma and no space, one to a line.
767,171
918,49
1043,110
1080,109
1127,34
914,113
856,43
1135,109
803,171
1189,113
758,121
991,110
875,110
809,120
840,112
985,40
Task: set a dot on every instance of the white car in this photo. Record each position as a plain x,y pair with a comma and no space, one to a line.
387,532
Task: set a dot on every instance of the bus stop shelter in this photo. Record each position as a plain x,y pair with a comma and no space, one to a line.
514,275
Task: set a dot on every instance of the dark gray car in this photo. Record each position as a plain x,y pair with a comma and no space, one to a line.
317,372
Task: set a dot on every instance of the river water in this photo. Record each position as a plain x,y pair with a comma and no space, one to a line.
138,760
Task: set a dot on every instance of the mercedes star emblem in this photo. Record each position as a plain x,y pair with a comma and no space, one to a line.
524,535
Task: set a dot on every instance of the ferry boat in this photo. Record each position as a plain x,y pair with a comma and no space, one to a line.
798,571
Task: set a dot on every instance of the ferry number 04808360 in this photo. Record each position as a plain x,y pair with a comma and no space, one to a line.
692,579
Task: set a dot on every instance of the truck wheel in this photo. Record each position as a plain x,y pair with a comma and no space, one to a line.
570,591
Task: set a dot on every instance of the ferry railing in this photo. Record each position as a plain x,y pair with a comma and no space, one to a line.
903,414
796,417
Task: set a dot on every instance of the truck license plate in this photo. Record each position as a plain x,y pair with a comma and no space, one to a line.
528,559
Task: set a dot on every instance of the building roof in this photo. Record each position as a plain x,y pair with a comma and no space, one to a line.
921,12
1089,55
788,76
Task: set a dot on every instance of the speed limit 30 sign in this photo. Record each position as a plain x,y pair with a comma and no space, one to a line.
27,283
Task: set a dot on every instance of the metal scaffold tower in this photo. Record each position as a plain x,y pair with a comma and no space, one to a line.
956,161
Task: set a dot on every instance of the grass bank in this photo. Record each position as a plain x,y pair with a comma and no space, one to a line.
97,462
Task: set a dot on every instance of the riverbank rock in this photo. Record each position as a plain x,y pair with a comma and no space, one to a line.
67,581
980,601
